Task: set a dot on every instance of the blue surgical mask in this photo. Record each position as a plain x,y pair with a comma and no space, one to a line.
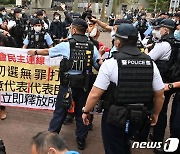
177,35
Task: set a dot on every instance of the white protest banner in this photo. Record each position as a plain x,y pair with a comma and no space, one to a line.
28,81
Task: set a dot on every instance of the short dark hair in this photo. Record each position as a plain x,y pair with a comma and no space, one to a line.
80,29
44,140
131,42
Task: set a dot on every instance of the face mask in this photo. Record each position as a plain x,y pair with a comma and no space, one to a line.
20,16
12,12
93,32
23,11
156,34
143,17
57,18
177,35
112,34
3,13
37,29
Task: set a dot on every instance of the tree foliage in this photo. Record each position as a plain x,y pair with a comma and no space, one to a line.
162,5
6,2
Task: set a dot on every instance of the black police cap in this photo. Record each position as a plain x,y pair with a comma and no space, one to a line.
126,31
120,21
167,23
80,22
37,21
39,13
17,10
2,8
156,22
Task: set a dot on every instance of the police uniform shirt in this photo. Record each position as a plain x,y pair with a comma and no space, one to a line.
0,21
63,49
113,49
109,72
161,51
47,37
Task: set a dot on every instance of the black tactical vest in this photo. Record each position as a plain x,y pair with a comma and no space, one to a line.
135,76
36,40
163,65
80,60
81,53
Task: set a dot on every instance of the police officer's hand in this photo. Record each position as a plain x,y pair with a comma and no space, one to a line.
154,119
31,52
85,119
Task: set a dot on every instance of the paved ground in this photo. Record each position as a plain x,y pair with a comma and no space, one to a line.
21,124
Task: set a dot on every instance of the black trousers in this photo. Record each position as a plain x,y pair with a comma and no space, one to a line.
59,115
115,141
160,127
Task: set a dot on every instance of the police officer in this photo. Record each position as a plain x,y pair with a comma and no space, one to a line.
38,38
40,15
127,71
17,27
142,25
79,55
161,54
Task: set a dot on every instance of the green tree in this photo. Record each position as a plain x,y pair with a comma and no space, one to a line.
162,5
5,2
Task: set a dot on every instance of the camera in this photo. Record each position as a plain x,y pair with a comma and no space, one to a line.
2,147
89,14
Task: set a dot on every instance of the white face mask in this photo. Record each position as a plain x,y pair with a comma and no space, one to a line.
56,17
93,32
3,13
156,34
20,16
37,29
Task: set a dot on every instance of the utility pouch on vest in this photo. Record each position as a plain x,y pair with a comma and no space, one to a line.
131,120
139,122
64,76
117,116
76,81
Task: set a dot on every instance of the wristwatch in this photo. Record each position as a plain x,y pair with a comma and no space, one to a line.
84,111
170,86
35,52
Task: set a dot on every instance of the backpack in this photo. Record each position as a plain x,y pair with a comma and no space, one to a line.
173,70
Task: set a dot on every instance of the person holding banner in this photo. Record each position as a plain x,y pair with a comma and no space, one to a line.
79,55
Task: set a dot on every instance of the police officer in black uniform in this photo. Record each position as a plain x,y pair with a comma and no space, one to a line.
79,55
131,80
38,38
17,27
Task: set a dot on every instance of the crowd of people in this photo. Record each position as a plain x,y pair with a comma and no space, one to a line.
134,82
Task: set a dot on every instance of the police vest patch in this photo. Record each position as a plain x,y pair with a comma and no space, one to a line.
132,62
